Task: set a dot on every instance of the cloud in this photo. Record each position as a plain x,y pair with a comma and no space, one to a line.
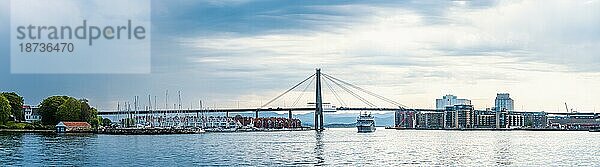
411,51
457,43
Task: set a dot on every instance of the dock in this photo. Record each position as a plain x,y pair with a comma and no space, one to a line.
148,131
487,129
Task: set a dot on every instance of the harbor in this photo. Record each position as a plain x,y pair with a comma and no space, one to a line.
450,113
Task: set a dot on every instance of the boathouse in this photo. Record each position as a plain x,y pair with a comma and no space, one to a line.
63,127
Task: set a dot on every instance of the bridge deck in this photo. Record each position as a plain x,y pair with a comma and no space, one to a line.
232,110
243,110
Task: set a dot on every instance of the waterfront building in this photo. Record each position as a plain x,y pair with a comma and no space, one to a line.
515,120
508,119
465,116
454,113
276,123
31,113
405,119
459,116
574,121
485,119
504,102
63,127
450,101
535,120
430,120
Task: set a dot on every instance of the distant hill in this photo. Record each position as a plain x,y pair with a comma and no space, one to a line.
352,125
307,119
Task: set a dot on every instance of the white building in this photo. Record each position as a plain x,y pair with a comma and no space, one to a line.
503,101
31,113
450,101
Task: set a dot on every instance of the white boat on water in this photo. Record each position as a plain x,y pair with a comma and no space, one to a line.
365,123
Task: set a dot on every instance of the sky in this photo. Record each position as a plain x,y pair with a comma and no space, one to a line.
240,52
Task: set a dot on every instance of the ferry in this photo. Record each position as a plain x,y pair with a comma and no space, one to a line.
595,129
365,123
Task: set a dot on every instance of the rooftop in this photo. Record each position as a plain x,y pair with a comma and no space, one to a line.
74,124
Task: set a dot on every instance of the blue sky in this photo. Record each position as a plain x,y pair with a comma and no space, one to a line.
229,52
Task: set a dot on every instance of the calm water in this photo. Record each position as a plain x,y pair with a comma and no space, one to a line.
331,147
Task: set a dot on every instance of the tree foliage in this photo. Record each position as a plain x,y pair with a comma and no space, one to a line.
106,122
64,108
49,107
4,109
88,113
16,104
70,110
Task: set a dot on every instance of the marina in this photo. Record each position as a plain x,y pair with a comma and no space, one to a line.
192,124
450,113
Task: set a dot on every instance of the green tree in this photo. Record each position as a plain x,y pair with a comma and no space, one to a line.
4,109
64,108
49,107
70,110
106,122
97,121
88,113
16,104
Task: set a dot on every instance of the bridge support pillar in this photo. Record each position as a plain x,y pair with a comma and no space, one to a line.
318,102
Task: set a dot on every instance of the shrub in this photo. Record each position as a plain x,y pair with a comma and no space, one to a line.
29,126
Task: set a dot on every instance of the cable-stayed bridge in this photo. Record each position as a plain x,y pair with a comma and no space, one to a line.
333,84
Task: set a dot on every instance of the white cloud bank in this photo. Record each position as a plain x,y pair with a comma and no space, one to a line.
542,52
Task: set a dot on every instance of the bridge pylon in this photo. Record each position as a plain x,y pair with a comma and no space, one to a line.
318,102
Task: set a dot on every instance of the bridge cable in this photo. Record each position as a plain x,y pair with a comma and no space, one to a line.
351,92
339,99
368,92
303,91
294,87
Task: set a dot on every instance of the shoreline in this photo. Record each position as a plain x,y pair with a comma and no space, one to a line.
288,130
28,130
487,129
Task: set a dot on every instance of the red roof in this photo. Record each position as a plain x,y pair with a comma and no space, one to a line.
77,124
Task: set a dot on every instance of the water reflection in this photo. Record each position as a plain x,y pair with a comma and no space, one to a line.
502,148
333,147
319,148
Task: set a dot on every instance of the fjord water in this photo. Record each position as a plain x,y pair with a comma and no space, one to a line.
330,147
